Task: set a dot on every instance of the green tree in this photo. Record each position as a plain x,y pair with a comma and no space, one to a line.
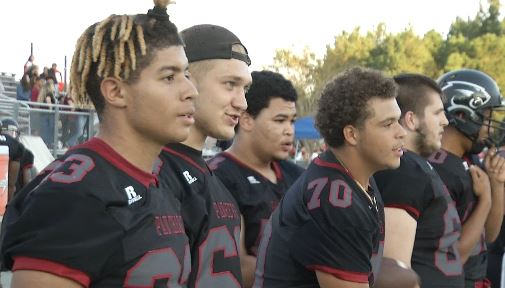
485,54
484,22
475,43
405,52
300,70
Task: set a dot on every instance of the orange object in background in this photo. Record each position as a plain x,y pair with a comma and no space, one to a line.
4,177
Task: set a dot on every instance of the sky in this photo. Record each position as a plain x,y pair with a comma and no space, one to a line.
53,26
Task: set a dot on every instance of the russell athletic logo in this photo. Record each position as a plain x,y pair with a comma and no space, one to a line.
253,180
188,177
132,195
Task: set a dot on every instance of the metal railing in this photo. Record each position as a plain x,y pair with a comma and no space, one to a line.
59,125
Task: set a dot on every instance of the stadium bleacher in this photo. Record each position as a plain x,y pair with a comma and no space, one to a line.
10,83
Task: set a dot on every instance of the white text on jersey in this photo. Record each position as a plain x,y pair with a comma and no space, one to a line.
132,195
188,177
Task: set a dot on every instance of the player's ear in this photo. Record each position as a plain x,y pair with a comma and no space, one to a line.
351,134
410,120
246,122
113,92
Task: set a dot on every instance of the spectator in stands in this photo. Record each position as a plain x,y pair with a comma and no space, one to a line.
23,89
52,73
58,85
35,115
37,86
46,96
71,124
33,71
45,73
28,64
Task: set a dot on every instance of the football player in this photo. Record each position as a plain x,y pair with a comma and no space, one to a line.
255,169
422,224
16,151
472,104
328,229
11,127
95,217
219,66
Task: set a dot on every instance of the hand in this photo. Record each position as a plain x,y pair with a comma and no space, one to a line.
481,184
495,165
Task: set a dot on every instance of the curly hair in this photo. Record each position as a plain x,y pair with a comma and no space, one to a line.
344,101
267,85
412,92
120,46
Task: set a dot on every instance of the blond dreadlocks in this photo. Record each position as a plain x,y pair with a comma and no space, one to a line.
119,46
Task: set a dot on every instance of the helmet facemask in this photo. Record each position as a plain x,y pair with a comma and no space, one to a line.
495,127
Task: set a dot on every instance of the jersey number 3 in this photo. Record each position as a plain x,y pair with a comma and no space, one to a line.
81,165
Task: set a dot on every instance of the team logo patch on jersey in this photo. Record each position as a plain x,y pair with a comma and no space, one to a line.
253,180
188,177
465,164
132,195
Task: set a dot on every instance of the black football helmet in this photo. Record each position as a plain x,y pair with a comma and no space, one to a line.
10,126
469,94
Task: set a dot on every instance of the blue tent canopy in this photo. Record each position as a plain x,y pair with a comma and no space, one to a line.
304,129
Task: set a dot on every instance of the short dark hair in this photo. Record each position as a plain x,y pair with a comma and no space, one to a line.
412,91
267,85
344,101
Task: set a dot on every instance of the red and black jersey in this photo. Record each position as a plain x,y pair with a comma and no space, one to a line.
93,217
324,222
455,174
16,149
417,188
211,217
26,162
256,196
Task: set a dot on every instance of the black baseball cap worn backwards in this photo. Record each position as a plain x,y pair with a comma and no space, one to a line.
206,41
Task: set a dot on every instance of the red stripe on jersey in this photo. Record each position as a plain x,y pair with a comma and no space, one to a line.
318,161
411,210
28,263
358,277
108,153
275,166
277,169
186,158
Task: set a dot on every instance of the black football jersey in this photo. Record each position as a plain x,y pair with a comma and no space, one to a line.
324,222
93,217
256,196
417,188
26,162
211,217
496,250
16,149
455,174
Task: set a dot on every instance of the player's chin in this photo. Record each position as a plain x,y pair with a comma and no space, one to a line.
281,155
178,134
393,163
223,132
